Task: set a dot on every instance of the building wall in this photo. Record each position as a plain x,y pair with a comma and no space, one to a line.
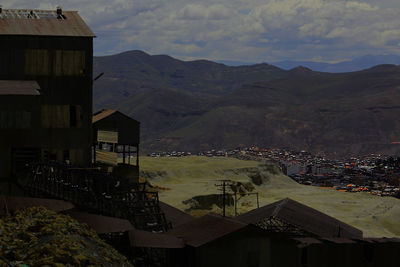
61,125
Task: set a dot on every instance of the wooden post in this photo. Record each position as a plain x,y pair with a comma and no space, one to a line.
129,154
123,154
223,198
94,153
137,155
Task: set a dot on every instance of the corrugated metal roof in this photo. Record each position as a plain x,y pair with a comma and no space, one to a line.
174,215
10,204
304,217
382,240
306,241
101,224
45,25
144,239
102,114
339,240
12,87
208,228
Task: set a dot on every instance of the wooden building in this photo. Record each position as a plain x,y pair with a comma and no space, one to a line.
46,59
115,133
116,139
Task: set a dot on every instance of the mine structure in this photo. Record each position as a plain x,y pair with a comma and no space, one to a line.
51,146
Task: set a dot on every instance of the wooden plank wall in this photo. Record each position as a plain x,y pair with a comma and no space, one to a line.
107,137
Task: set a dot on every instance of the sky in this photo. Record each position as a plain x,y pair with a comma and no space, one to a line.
239,30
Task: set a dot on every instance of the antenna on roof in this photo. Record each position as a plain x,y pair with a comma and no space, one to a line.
60,13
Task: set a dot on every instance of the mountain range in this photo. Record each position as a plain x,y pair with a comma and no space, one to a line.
200,105
356,64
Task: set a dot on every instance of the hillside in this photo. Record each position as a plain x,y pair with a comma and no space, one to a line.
202,105
188,177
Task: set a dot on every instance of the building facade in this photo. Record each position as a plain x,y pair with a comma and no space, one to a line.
51,50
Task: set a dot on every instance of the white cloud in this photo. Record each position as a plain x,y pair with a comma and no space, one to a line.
245,30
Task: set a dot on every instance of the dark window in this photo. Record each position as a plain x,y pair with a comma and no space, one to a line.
304,257
368,253
66,155
253,259
15,119
72,116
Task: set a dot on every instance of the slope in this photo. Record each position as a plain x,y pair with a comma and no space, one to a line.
192,176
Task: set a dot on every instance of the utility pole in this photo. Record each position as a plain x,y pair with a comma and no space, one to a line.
223,185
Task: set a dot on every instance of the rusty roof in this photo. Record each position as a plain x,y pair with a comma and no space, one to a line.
10,204
104,113
101,224
144,239
43,23
306,241
174,215
206,229
13,87
302,216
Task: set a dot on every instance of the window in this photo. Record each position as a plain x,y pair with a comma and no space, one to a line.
15,119
43,62
61,116
37,62
69,63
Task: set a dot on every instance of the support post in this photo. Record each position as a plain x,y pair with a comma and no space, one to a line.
137,155
129,154
123,154
223,198
94,153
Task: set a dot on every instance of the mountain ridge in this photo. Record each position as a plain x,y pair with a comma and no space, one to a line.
201,105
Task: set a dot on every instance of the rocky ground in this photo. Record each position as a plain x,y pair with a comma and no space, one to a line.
40,237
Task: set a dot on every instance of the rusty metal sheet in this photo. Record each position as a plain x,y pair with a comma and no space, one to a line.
206,229
306,241
102,114
144,239
339,240
304,217
14,87
72,25
174,215
101,224
110,158
10,204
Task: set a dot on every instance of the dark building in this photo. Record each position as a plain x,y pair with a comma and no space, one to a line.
117,133
116,139
46,59
213,240
296,219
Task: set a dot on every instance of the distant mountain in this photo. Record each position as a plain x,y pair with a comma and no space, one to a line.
200,105
235,63
135,72
356,64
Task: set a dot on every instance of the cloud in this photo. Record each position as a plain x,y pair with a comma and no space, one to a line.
243,30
